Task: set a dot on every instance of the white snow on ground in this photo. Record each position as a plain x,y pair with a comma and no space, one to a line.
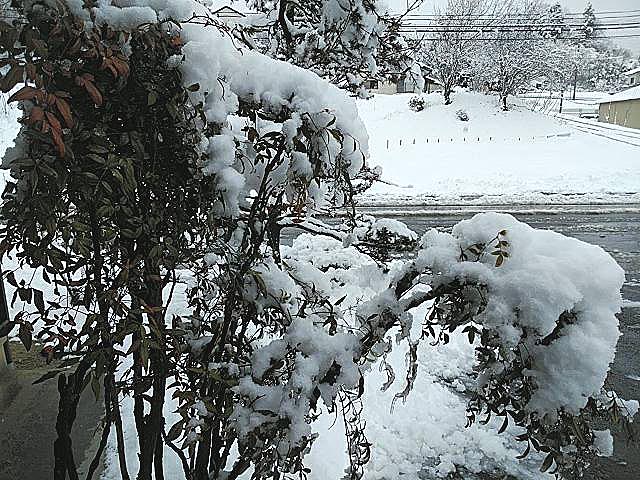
584,103
517,156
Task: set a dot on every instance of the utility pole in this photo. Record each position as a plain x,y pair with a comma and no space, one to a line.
5,328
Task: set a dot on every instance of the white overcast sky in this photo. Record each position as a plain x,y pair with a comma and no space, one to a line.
570,6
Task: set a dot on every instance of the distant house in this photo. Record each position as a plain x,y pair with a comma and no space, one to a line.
402,84
622,108
254,24
633,77
431,84
227,13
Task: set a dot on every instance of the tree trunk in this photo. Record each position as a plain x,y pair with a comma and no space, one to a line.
70,389
447,95
154,421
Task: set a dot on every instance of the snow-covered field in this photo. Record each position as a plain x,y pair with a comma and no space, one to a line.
496,157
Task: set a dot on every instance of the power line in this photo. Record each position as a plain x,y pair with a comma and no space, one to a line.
519,27
515,14
526,39
500,29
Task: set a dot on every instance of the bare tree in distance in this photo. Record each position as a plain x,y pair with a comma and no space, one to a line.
452,50
514,56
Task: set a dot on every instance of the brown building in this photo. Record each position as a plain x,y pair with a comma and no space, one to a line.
622,108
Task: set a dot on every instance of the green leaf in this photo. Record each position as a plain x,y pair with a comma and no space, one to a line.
25,334
25,294
95,385
11,278
525,453
47,376
175,431
505,423
38,300
80,227
548,461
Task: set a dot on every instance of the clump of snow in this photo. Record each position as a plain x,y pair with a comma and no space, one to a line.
544,276
228,75
603,442
393,227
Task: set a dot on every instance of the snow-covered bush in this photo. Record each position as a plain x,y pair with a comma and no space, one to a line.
417,103
155,170
344,42
462,116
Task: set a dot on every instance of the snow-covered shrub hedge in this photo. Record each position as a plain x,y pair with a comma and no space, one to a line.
155,170
417,103
462,116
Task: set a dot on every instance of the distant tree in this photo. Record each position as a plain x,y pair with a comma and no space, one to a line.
513,57
589,23
450,53
556,22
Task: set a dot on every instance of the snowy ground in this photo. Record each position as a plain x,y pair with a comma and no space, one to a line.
496,157
584,103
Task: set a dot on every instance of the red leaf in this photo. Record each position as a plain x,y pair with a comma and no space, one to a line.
65,111
93,92
37,114
55,123
25,93
57,139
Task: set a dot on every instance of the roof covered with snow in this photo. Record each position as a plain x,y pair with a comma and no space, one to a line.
632,72
629,94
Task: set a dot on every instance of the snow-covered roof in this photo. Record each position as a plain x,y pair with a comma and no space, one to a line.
228,11
632,72
431,79
628,94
